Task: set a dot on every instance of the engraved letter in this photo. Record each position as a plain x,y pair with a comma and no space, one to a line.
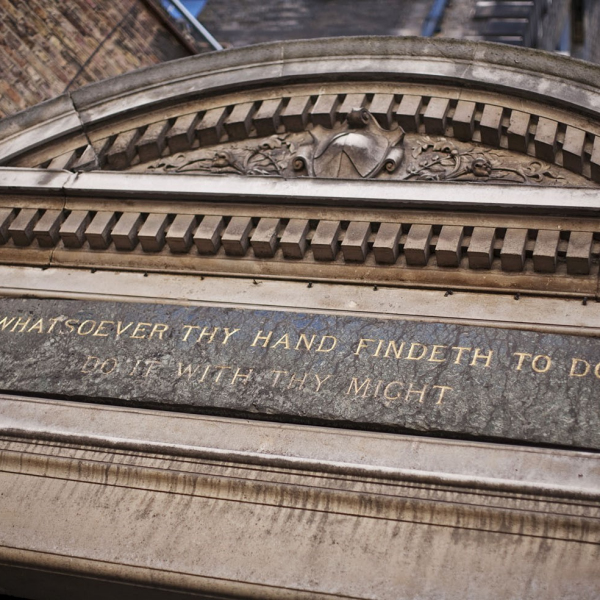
420,393
228,334
397,351
536,361
187,370
284,341
100,331
69,326
6,323
81,330
479,356
37,326
265,339
575,367
461,351
378,348
189,330
278,374
239,375
209,334
151,364
22,324
121,329
220,372
140,328
443,389
320,381
137,363
108,366
412,356
364,342
159,329
391,385
333,345
434,352
206,370
304,339
54,322
90,364
293,379
522,356
365,384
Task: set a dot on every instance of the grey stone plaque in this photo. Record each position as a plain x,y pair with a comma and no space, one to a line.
407,375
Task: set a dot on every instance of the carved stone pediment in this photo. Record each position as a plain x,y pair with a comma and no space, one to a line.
469,118
359,148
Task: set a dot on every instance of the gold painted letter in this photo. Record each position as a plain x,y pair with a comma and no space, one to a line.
333,345
362,344
576,369
479,356
365,384
443,389
411,355
265,339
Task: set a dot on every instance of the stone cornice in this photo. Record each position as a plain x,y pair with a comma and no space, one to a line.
540,105
506,238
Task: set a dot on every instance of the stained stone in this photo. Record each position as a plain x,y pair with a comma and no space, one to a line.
365,372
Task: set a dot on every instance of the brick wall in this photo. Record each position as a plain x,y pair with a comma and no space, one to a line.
49,46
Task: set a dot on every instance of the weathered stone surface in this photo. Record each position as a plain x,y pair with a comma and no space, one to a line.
457,64
434,377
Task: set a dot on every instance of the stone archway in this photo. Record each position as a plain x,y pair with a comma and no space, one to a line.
204,263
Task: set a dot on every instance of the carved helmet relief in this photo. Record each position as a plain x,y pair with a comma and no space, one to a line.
362,148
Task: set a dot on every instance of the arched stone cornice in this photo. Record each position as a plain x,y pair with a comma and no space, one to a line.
525,103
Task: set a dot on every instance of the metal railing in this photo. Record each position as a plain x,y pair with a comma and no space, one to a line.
195,24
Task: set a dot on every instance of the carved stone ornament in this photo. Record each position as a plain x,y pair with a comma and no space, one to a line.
359,148
442,160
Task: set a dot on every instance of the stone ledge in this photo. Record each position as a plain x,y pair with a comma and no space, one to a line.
94,472
445,250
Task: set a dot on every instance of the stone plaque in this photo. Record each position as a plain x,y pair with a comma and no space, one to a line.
318,368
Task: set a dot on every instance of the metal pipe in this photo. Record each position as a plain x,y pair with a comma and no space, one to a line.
433,20
196,24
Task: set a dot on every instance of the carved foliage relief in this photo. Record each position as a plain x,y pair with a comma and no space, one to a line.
359,148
